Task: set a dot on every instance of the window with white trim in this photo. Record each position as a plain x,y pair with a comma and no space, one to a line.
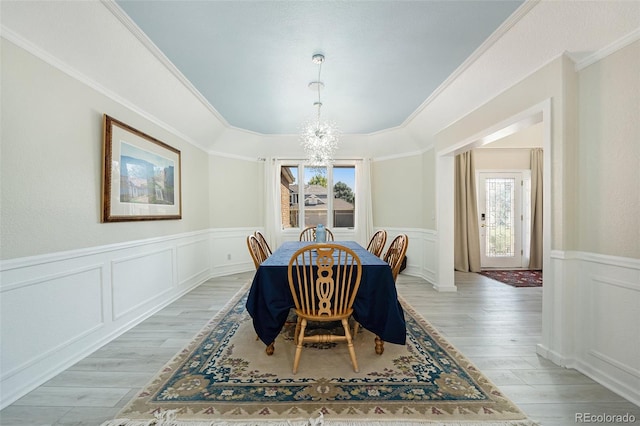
326,195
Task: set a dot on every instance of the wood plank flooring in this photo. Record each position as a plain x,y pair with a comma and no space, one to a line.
496,326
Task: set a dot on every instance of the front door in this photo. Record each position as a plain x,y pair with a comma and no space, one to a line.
500,219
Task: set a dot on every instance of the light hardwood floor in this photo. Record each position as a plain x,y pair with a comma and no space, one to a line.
496,326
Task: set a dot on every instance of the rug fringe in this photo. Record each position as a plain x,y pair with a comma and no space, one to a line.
168,418
433,423
125,422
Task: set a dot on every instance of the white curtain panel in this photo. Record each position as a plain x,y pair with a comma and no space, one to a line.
364,207
273,221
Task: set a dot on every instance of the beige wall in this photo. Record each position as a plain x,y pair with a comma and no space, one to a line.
609,155
236,192
428,190
50,170
397,192
502,159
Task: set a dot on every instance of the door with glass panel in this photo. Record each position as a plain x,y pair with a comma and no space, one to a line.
500,219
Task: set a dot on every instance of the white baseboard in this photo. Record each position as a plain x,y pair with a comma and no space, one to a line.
553,356
625,388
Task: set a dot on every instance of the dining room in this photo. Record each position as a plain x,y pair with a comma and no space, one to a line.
212,150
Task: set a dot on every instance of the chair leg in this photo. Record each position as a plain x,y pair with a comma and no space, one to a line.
296,359
356,327
352,351
297,331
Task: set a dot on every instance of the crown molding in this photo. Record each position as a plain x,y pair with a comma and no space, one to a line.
62,66
481,50
117,11
622,42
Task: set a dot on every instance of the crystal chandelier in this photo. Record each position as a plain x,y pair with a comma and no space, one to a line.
319,138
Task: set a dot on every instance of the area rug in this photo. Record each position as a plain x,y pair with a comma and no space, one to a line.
224,377
516,278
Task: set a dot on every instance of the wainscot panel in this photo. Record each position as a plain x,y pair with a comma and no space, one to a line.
58,308
229,251
38,320
421,253
194,263
139,280
608,313
430,258
591,308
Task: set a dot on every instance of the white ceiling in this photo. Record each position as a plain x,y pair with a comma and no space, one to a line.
251,60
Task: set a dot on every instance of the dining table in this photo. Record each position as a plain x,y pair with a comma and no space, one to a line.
376,306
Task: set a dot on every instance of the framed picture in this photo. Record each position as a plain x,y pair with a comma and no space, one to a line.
141,176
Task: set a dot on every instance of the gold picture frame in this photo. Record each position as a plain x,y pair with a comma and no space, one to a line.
141,177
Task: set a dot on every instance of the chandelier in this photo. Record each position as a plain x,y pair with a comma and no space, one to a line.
319,138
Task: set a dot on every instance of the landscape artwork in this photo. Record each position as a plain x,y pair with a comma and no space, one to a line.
141,179
145,177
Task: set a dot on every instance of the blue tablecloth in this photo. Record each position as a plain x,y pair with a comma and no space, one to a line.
376,306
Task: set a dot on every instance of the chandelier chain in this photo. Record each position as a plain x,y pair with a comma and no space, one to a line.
319,84
319,138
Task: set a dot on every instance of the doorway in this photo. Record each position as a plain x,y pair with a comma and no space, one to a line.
503,218
445,189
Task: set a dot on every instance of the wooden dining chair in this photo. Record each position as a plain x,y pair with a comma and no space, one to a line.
309,234
255,249
263,243
377,242
324,280
396,252
394,256
376,245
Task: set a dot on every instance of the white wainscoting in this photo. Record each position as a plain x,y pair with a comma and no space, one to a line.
422,258
608,311
229,251
596,319
57,308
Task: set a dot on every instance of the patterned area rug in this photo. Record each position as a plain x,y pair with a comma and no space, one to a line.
224,377
518,278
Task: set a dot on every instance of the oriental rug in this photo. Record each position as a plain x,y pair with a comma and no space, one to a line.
224,377
516,278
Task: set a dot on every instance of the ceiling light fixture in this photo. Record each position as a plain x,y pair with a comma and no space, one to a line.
319,138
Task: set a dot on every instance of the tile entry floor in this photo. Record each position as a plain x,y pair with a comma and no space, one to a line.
496,326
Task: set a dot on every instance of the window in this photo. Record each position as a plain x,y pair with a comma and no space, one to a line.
326,196
344,199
